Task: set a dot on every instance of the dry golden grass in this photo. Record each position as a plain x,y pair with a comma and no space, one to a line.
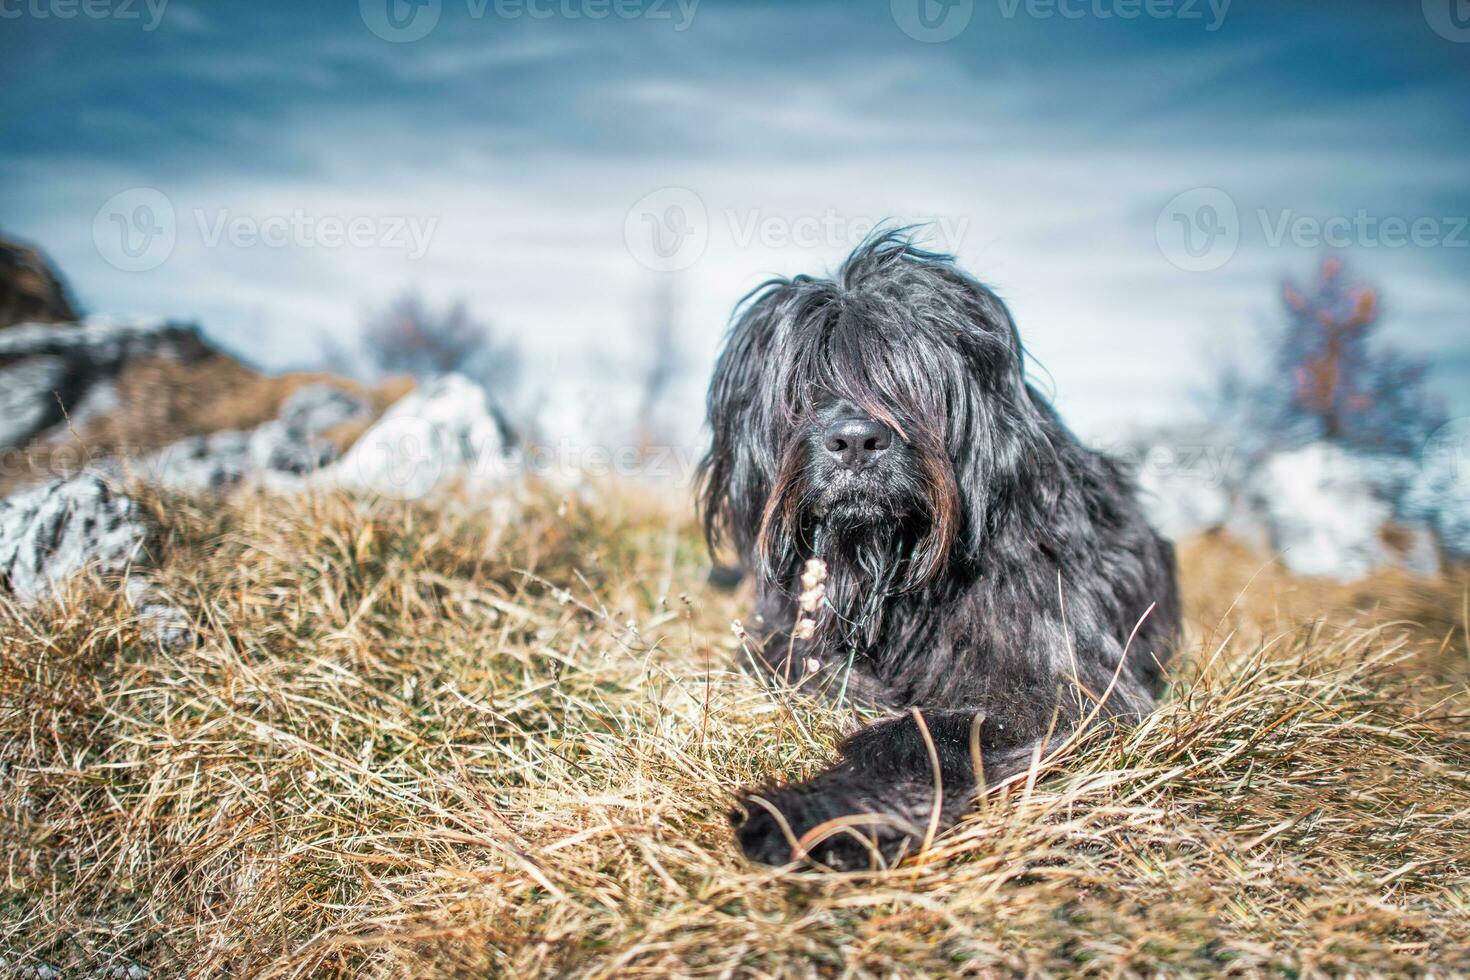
1232,591
415,743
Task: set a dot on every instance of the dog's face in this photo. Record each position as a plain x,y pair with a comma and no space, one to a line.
870,421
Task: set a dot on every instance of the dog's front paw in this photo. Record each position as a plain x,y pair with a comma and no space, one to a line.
827,829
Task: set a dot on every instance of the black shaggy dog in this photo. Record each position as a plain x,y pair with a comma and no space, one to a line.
988,579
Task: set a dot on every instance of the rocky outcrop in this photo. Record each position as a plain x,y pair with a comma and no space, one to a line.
107,392
48,371
448,431
50,533
31,291
1325,510
277,454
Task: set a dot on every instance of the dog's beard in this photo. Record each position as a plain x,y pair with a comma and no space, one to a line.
864,561
856,532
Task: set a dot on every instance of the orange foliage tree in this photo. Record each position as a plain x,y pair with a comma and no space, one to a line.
1330,380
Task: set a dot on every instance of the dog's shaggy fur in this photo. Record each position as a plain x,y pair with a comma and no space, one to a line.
986,569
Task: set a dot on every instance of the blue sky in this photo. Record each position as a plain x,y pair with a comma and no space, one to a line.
310,169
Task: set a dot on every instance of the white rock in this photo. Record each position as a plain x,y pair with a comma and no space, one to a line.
1182,493
315,409
446,431
1440,492
168,624
1414,547
1325,513
213,462
51,532
292,445
26,403
1185,477
101,339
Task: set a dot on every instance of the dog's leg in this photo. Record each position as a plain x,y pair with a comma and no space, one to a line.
879,800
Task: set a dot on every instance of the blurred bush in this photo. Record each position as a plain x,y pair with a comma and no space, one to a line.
408,337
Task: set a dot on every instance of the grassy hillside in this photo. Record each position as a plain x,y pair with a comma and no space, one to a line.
415,743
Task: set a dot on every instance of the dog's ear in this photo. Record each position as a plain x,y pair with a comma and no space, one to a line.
736,474
999,445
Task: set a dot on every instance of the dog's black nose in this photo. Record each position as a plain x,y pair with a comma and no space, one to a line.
856,443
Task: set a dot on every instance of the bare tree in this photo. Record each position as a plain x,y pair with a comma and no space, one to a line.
408,337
